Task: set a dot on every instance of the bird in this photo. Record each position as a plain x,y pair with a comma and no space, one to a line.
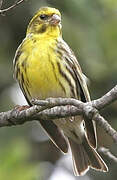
45,66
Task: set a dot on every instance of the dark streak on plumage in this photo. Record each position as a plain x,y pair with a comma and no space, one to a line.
22,78
73,75
66,78
72,70
82,95
53,67
75,135
62,48
24,85
24,66
19,52
27,91
17,71
42,29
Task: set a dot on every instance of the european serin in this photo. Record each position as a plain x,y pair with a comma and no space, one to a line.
45,66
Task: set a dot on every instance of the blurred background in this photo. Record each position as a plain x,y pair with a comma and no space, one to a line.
90,28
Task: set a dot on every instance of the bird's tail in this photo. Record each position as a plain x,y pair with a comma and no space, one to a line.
85,157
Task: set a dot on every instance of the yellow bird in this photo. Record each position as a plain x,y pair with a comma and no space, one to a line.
45,66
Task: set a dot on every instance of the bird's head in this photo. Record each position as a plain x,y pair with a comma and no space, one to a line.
47,21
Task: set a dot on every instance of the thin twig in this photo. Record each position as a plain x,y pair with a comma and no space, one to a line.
105,100
1,2
108,154
2,11
106,126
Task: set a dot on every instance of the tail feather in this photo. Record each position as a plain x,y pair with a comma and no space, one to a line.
55,135
84,156
95,159
80,158
80,161
91,133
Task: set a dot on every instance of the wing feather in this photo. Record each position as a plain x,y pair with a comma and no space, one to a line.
81,84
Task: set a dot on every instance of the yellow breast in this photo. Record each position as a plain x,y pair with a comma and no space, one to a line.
42,78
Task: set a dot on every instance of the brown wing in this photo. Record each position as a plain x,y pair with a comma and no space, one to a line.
55,135
82,90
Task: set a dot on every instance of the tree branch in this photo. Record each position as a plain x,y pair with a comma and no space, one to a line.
108,154
105,100
1,2
54,108
16,3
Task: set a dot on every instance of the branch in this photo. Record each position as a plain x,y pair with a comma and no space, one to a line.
108,154
1,2
54,108
2,11
105,100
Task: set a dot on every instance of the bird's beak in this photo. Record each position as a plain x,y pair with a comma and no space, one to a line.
55,19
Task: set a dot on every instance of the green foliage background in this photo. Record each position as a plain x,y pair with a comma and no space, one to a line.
90,28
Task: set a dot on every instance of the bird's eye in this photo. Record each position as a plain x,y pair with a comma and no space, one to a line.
43,16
